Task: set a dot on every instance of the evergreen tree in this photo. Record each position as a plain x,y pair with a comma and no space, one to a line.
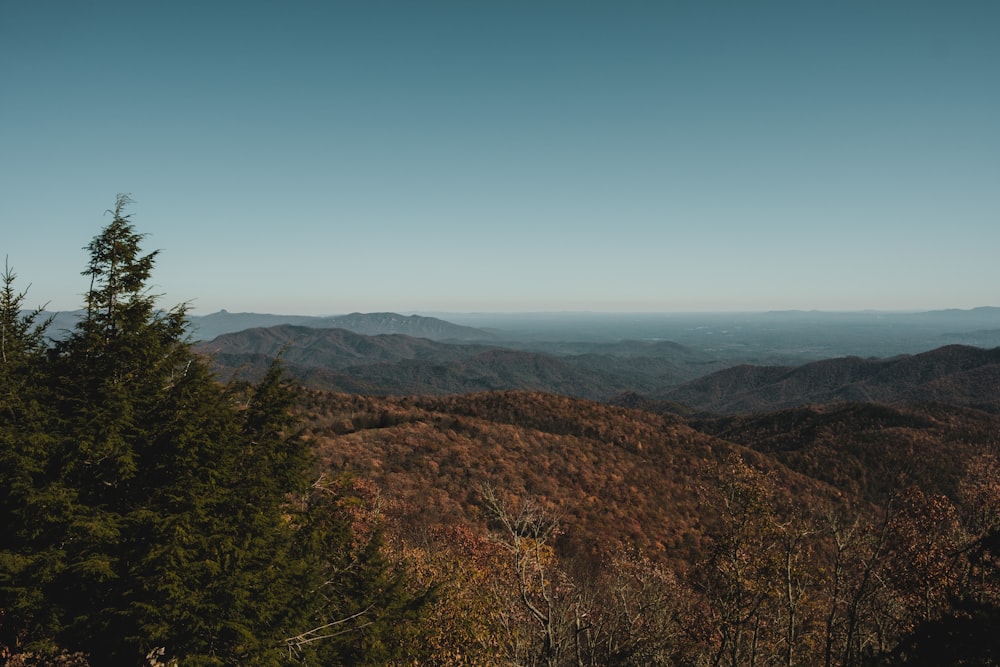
359,611
22,345
217,587
122,357
110,373
25,505
160,512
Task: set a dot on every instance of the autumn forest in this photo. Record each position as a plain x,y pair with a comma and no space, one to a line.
158,513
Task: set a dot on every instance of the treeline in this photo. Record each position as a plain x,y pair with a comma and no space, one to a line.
152,515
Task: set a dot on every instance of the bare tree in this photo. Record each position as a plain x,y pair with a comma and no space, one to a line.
526,532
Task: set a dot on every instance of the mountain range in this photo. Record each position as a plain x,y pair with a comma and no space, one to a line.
663,372
954,374
395,364
207,327
763,338
392,354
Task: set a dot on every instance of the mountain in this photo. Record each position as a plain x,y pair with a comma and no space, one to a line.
207,327
333,349
864,449
396,364
62,322
955,374
619,476
721,339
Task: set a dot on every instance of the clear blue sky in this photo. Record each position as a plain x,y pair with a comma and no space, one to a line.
329,157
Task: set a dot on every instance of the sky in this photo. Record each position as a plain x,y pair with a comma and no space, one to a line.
504,156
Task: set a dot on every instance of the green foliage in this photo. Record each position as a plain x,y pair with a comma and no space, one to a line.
24,443
154,511
22,346
365,614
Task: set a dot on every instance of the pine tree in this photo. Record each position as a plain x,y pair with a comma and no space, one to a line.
157,510
22,345
122,356
108,374
358,608
27,504
178,534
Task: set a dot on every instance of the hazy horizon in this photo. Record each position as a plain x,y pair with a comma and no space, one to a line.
442,314
678,157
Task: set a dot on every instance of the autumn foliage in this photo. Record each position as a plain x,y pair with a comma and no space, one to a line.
564,531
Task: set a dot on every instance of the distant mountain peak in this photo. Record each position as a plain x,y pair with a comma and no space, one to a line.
207,327
955,374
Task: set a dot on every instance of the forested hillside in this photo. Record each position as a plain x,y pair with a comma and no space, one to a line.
829,535
341,360
954,374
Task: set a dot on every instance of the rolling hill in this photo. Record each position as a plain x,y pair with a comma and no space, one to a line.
628,478
396,364
618,478
207,327
954,374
